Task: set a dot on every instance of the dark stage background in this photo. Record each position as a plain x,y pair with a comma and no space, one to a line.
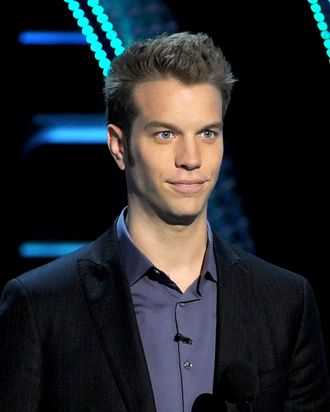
276,132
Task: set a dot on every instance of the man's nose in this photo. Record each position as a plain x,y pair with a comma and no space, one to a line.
188,154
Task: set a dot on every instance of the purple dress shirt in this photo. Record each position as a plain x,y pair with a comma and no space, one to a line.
177,329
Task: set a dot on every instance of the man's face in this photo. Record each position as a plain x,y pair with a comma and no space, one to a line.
177,147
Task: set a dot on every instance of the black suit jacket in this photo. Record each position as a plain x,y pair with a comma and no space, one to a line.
70,340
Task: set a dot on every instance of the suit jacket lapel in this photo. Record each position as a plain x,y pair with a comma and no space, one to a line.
111,307
234,320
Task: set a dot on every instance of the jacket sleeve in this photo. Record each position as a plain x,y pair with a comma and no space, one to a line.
20,352
309,387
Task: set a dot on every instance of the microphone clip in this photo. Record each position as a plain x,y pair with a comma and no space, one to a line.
181,338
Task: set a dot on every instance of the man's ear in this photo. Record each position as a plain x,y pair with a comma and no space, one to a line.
116,145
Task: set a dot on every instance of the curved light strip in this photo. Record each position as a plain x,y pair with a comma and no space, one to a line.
321,24
106,26
89,31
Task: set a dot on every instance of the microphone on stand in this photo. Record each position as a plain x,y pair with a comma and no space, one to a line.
204,402
240,384
207,402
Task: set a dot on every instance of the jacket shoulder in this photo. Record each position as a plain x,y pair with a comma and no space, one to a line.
258,270
63,271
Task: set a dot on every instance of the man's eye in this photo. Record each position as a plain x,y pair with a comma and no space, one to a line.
166,134
208,134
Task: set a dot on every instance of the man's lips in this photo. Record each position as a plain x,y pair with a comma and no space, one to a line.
187,186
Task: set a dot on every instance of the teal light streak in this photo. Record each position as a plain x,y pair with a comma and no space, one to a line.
321,24
51,38
44,249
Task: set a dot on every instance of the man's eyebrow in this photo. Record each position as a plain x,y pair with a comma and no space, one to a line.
165,125
216,125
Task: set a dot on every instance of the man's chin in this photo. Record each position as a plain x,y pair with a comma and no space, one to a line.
179,219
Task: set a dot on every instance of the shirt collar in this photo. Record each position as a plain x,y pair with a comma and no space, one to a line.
137,264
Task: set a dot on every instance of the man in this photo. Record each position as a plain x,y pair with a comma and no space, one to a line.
150,315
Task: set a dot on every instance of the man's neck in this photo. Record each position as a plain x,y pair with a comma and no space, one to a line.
178,250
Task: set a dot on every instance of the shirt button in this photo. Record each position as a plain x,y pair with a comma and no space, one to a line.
187,365
182,304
